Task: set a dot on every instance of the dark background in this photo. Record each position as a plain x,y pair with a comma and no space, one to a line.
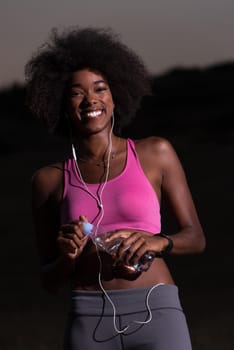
194,109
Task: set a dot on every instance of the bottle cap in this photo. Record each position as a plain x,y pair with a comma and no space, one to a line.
87,228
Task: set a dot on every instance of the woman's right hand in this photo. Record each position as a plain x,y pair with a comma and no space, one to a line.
71,239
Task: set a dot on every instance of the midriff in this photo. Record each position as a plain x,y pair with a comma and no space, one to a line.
86,273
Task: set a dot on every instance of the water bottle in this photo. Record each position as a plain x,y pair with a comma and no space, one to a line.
145,261
102,240
111,246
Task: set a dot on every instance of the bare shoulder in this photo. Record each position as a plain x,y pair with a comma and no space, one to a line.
47,181
154,146
48,174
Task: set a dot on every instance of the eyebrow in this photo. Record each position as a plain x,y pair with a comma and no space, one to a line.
95,83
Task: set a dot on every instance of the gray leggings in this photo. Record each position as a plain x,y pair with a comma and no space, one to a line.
90,320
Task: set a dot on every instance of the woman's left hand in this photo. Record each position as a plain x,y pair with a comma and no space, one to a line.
135,244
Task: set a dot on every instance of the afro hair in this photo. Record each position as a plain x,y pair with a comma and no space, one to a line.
99,49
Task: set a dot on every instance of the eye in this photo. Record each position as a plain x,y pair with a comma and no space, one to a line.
101,89
76,93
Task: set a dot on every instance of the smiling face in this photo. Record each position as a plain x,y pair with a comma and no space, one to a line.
90,103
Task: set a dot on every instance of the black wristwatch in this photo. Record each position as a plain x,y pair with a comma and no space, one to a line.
168,247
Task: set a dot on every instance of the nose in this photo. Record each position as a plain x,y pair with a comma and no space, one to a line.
89,99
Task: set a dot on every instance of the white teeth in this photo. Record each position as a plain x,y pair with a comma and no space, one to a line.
93,114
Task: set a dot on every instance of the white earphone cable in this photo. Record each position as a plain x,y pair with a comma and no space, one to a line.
98,199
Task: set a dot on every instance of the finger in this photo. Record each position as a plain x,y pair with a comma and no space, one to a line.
70,228
79,242
138,254
136,250
128,244
80,222
67,228
67,249
70,248
83,218
70,252
118,234
74,238
67,242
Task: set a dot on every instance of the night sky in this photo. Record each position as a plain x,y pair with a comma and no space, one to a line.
165,33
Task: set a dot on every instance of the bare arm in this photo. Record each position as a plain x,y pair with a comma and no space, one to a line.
190,238
57,246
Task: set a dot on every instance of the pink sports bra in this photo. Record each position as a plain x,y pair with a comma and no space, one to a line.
129,200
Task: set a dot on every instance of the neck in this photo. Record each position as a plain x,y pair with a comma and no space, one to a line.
96,147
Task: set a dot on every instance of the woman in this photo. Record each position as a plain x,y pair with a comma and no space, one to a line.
86,85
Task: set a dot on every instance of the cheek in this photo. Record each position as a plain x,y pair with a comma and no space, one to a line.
73,113
111,102
73,106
